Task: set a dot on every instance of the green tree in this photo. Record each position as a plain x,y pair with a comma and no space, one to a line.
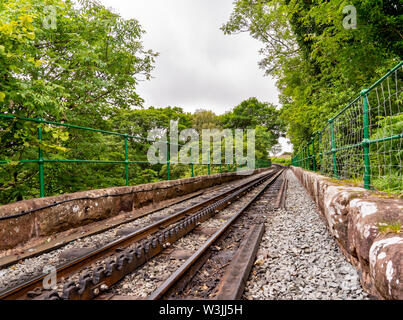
79,70
319,64
205,119
253,114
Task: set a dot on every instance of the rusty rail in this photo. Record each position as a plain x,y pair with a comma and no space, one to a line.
280,202
175,278
102,278
232,284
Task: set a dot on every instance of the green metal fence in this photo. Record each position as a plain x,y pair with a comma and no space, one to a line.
363,142
41,161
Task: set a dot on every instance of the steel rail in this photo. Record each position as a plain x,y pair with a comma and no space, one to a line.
8,261
280,202
178,274
91,284
106,195
232,284
79,263
72,126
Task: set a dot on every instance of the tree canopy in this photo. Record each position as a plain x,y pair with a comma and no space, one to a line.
78,62
89,60
66,61
319,64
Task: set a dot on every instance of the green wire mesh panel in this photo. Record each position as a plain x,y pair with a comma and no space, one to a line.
386,122
326,167
41,154
348,131
363,142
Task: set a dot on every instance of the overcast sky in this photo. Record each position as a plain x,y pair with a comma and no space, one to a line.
198,66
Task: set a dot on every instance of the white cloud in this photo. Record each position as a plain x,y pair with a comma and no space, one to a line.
198,66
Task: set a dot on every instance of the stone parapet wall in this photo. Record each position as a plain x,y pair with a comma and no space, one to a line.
81,208
354,217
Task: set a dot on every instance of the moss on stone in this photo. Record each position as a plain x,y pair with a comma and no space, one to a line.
393,227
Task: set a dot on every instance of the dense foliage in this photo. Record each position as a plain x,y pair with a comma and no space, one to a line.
283,161
320,65
77,62
67,62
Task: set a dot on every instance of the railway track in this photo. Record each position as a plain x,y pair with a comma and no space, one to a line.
95,272
140,217
216,270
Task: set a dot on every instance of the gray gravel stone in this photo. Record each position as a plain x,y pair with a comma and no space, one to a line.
301,261
31,267
74,253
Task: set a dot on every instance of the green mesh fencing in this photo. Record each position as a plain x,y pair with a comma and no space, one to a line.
116,159
363,142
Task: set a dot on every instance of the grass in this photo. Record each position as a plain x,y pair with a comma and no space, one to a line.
388,190
390,184
341,182
394,227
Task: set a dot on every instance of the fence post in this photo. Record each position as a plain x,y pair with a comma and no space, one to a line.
41,162
168,161
301,159
365,142
126,161
331,121
320,150
305,163
309,155
208,168
191,162
314,154
306,158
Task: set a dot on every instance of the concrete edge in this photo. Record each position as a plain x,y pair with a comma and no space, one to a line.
354,217
108,203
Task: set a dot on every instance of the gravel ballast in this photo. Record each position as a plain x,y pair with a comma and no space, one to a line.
29,268
145,280
32,267
298,258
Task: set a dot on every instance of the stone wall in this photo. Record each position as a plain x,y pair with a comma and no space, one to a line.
354,217
82,208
